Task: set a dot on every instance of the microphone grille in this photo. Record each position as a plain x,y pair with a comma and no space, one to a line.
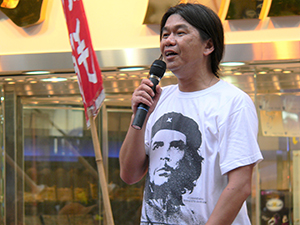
158,68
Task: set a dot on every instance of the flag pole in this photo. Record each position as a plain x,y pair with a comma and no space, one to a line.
101,172
89,81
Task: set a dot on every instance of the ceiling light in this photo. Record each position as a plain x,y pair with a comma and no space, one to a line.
262,72
131,69
40,72
54,79
287,71
237,73
232,64
73,77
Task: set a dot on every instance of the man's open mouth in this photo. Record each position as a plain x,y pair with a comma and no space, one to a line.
170,53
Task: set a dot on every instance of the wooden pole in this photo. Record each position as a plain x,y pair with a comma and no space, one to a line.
101,172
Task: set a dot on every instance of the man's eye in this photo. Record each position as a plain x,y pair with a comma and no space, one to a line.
165,36
157,145
178,145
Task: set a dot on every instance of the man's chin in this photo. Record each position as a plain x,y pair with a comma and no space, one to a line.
160,191
172,66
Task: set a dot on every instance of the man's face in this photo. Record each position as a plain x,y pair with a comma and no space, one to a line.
181,45
167,150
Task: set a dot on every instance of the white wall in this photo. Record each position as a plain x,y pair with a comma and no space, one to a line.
118,24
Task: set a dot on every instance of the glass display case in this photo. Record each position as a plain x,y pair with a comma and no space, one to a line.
284,8
2,159
247,9
254,9
61,181
50,162
279,112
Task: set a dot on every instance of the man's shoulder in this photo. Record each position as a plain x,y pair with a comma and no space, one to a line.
231,93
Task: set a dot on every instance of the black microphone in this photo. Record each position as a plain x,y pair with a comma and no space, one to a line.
157,71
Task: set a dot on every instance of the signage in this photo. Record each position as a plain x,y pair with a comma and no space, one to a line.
84,57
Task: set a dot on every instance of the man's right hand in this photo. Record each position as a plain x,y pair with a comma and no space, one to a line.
144,94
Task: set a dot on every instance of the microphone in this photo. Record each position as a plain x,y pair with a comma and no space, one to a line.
157,71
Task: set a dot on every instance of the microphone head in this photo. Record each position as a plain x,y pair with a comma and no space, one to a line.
158,68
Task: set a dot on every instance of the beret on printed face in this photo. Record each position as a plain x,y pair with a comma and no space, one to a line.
181,123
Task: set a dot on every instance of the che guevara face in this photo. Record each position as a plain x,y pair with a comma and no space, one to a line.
168,149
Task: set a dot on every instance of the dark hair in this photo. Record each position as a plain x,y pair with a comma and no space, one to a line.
207,22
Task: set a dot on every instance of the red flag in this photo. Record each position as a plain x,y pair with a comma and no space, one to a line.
84,58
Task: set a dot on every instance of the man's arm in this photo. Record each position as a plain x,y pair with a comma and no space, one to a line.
133,159
233,196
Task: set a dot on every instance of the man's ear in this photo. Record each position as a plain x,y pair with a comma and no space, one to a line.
209,47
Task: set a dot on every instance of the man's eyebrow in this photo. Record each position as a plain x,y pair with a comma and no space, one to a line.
158,143
178,144
184,26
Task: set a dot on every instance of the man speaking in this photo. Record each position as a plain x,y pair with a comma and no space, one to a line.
194,177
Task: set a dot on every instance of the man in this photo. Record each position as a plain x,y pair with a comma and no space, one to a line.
192,44
176,140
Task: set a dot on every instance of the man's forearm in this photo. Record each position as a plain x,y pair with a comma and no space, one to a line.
232,197
227,208
132,158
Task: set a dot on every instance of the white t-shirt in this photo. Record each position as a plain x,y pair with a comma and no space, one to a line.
228,125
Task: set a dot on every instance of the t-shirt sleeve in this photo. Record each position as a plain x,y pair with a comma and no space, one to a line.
147,138
238,139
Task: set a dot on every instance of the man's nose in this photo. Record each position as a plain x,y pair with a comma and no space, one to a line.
166,159
170,40
165,156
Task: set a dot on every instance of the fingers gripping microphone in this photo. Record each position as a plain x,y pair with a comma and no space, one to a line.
157,71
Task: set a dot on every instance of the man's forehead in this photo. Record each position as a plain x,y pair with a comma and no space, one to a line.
167,134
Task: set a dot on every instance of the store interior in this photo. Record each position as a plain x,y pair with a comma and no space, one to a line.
48,171
57,155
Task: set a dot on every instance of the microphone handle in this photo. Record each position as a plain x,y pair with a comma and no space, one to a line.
143,109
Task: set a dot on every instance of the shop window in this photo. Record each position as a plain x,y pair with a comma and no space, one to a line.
247,9
284,8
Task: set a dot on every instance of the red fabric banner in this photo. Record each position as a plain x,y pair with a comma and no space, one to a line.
84,57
